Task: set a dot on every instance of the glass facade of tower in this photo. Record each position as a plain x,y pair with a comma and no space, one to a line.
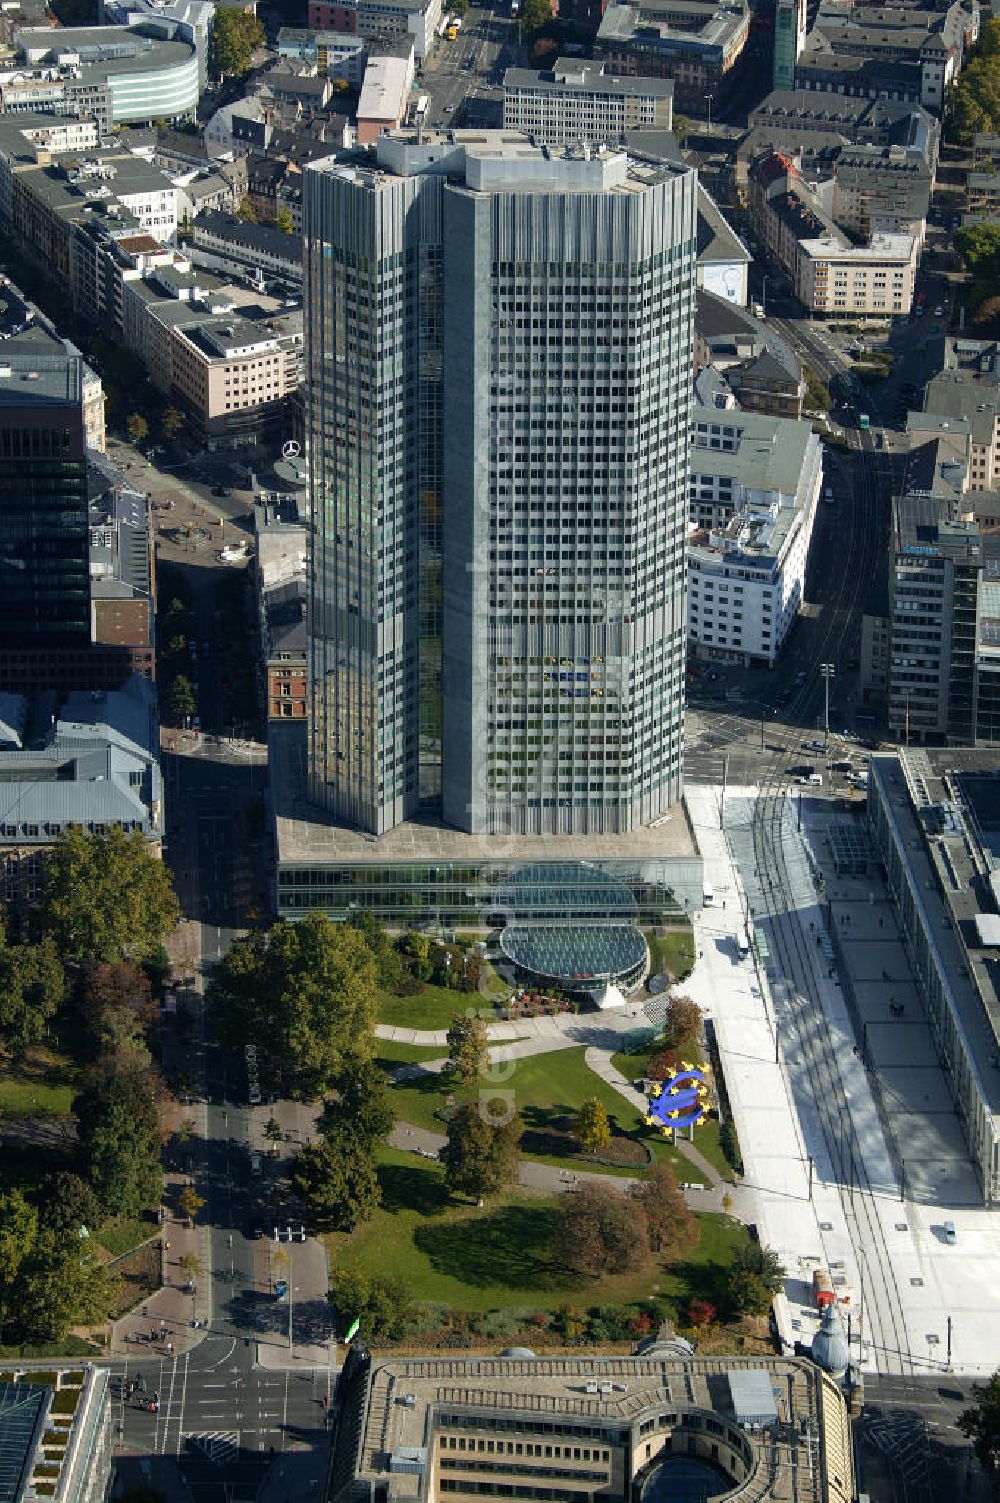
44,521
499,353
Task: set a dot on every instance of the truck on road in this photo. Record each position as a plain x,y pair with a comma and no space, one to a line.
823,1291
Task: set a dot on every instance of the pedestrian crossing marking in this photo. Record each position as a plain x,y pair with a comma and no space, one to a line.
219,1446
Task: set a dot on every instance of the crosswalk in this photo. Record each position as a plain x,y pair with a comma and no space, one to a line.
220,1446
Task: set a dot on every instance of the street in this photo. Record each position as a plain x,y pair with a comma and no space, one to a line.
222,1420
463,78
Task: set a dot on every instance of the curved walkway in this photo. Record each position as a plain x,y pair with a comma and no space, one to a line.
602,1035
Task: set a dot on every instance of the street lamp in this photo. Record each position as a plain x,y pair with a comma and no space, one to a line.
763,296
827,671
710,97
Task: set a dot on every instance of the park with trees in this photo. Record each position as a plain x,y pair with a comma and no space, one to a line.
487,1252
79,1018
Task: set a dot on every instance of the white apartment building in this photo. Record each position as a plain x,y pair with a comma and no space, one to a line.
877,278
754,486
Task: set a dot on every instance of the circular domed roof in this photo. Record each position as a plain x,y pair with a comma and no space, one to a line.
517,1351
829,1346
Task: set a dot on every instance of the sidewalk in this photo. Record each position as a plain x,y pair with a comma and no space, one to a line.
162,1323
777,1175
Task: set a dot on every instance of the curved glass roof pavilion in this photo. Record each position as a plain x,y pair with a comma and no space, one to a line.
569,924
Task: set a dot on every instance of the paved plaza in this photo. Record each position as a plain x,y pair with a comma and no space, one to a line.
851,1143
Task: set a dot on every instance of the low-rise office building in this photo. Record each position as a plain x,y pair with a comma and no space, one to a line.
52,200
982,192
697,43
335,54
384,96
932,818
96,766
881,189
380,19
855,121
931,43
754,487
224,243
119,75
962,402
723,265
580,101
985,151
934,591
122,589
422,1429
233,377
78,1469
758,366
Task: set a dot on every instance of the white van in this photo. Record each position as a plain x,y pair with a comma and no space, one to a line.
708,896
950,1235
813,779
743,946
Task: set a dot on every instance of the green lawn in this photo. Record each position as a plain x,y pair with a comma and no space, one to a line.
122,1233
388,1053
673,951
706,1137
502,1255
41,1085
544,1088
433,1008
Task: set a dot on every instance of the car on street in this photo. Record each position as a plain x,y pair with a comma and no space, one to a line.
221,490
939,312
814,746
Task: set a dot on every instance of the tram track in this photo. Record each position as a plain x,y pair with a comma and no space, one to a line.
793,963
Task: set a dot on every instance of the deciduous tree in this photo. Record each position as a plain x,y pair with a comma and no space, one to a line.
973,102
32,989
235,35
304,993
681,1023
106,897
115,1004
68,1204
137,427
340,1188
189,1203
63,1283
181,701
173,422
468,1048
602,1232
981,1423
480,1157
362,1112
120,1140
672,1227
592,1125
756,1275
18,1230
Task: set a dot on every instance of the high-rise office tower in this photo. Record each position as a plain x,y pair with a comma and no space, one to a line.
498,357
44,525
